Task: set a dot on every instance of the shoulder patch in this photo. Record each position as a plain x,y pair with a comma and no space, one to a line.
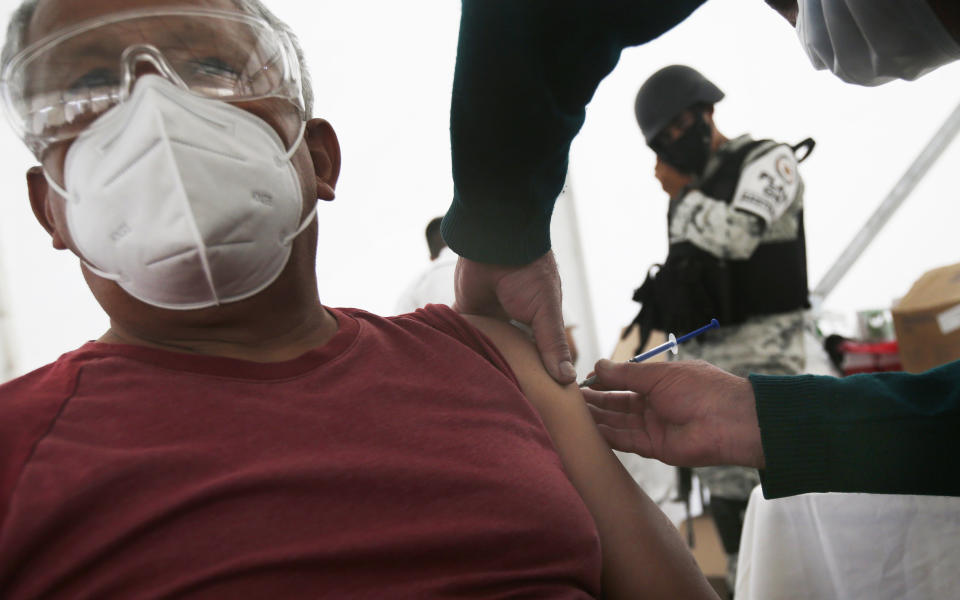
768,185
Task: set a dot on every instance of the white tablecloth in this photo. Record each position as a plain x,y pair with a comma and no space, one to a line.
850,546
659,481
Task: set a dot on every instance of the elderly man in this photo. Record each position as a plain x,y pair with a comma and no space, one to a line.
229,436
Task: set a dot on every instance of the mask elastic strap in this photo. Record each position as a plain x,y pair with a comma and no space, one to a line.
304,225
296,144
286,157
104,274
56,187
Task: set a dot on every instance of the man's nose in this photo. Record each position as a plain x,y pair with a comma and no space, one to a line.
143,67
145,59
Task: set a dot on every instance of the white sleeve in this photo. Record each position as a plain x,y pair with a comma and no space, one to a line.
407,302
435,286
768,185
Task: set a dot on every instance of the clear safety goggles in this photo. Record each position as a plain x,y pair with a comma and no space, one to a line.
57,86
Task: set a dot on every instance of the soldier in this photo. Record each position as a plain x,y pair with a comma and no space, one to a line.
737,253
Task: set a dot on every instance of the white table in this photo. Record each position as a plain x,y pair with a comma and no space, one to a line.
659,481
850,546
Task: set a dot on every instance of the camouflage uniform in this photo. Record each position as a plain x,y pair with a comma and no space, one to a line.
768,344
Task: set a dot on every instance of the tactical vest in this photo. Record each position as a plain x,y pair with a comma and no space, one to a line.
694,286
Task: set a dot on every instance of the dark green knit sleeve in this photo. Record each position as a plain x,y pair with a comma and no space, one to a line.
525,70
883,433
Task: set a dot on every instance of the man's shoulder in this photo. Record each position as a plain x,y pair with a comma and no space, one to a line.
764,149
29,405
442,320
740,152
432,322
435,319
37,395
53,379
438,317
750,147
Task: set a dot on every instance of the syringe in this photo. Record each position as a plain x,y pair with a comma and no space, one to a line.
671,344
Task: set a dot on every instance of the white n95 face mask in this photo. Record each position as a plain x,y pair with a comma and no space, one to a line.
871,42
186,202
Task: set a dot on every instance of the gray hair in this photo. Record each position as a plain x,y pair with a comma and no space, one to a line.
20,22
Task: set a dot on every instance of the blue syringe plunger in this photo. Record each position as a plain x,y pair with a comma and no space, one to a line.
671,344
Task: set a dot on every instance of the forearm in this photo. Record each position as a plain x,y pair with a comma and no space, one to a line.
890,433
524,73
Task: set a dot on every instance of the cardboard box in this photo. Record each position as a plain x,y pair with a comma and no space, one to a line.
927,320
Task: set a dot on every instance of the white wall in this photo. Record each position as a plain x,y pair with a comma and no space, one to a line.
383,72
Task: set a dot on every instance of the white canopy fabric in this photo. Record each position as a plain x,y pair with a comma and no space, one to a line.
850,546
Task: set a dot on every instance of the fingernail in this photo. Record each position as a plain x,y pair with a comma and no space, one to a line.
567,371
603,364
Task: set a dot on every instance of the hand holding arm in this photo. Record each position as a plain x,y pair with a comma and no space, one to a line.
529,294
686,414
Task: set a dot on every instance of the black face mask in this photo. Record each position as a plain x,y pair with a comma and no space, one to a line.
689,152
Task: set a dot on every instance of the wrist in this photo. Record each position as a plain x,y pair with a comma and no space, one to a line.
744,444
522,237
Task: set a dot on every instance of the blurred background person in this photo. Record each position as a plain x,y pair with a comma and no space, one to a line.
435,284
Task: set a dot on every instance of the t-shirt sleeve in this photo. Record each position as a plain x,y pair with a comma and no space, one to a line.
29,406
446,320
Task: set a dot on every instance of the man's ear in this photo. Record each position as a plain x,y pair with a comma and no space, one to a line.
38,189
788,9
325,153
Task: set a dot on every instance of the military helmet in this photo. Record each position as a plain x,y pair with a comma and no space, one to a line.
667,93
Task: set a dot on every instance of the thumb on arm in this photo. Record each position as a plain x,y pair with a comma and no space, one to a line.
551,339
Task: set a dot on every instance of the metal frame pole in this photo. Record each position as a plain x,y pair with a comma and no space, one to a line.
878,220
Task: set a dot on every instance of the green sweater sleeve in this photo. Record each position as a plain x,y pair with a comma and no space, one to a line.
881,433
525,71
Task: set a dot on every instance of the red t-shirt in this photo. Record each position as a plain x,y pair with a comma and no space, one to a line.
400,460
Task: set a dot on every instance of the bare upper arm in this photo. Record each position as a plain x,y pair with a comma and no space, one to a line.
643,554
